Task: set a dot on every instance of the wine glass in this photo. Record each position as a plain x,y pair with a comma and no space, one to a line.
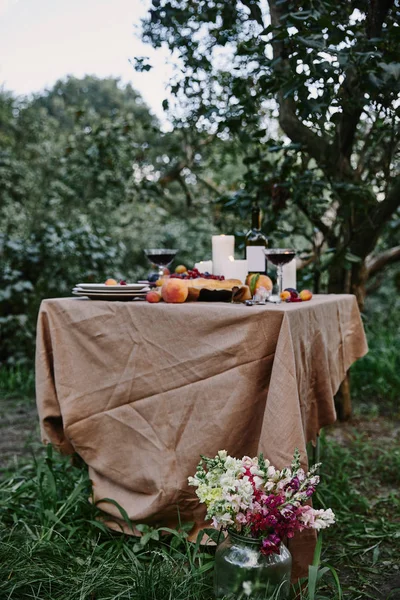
161,258
280,257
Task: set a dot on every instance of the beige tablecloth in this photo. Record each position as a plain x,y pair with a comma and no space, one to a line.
141,390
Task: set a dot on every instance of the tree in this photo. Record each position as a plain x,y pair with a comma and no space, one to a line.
330,72
83,190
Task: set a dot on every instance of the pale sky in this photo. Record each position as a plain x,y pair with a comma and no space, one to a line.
44,40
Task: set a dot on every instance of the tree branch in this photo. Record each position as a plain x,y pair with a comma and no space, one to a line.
377,13
352,98
316,146
377,263
390,204
316,221
189,198
352,108
209,185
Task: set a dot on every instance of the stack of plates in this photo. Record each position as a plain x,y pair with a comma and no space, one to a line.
101,291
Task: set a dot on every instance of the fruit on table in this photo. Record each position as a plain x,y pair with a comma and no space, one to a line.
174,291
122,282
111,282
256,280
152,277
305,295
166,271
153,296
180,269
285,295
160,282
195,274
293,292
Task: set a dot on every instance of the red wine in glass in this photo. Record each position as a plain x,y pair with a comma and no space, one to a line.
280,257
161,258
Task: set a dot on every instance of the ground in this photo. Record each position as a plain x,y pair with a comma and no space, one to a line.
365,457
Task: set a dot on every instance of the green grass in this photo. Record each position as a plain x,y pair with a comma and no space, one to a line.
375,379
361,483
17,382
54,547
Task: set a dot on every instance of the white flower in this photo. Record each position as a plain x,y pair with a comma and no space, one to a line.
323,518
247,588
193,481
314,480
254,470
225,519
222,454
301,475
258,482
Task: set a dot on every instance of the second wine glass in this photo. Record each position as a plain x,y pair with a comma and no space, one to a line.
280,257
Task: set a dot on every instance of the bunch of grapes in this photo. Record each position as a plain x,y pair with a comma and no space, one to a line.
195,274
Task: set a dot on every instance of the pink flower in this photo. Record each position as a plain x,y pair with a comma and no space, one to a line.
241,518
270,544
306,515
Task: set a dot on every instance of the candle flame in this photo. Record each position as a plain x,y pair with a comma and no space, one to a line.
231,259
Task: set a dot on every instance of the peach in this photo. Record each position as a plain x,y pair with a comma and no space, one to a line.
305,295
180,269
111,282
256,280
174,291
166,271
153,296
285,295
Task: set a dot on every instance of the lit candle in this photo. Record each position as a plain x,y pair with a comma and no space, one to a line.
223,246
235,269
289,275
204,266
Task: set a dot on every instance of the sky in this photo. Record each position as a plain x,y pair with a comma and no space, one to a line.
45,40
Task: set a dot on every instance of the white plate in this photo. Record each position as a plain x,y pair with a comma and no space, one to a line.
103,286
111,292
115,296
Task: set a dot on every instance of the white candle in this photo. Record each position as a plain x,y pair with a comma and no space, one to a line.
289,275
204,266
223,246
235,269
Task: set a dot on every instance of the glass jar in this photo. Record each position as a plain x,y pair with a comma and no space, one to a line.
242,570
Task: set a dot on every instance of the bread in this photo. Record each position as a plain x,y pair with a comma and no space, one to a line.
237,292
213,284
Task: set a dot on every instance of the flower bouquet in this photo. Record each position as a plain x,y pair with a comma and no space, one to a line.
262,505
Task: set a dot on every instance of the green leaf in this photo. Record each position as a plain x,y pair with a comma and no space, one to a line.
352,257
120,508
312,581
253,282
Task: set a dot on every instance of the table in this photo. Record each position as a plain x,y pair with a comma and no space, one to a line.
141,390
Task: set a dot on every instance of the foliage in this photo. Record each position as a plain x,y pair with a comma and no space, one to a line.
330,73
375,379
80,198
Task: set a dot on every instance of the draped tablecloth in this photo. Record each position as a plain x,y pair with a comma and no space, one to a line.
140,390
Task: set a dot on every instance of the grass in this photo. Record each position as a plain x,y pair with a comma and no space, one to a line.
53,547
375,379
17,382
